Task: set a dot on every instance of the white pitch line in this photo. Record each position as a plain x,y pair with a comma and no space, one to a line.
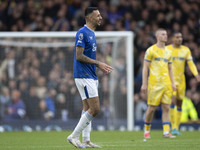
34,147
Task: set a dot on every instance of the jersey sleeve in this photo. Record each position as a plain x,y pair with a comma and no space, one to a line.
192,67
188,56
191,63
170,53
148,56
170,60
81,39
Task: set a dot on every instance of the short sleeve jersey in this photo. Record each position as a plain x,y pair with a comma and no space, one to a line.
179,57
158,69
85,38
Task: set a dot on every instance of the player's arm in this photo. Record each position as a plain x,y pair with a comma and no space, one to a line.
171,76
193,69
84,59
191,65
145,75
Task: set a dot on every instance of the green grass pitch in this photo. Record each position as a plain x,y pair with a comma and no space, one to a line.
109,140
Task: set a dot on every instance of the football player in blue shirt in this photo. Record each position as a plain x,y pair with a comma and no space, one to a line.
85,64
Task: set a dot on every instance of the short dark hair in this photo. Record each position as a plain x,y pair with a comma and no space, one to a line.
175,32
89,10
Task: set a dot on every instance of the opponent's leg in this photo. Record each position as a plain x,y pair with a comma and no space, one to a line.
148,118
165,121
173,112
178,116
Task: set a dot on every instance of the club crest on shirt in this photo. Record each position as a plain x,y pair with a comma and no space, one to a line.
94,47
80,36
91,37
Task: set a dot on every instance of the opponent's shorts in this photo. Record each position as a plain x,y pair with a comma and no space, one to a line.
88,88
158,94
180,92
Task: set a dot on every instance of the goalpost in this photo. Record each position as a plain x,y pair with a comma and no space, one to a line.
115,48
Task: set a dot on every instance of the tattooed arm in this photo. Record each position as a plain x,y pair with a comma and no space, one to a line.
84,59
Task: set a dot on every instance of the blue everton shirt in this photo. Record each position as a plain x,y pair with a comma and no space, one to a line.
85,38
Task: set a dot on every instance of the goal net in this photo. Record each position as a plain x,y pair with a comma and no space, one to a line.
37,68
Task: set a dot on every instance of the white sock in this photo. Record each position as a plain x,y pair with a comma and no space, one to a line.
166,132
146,131
86,131
82,124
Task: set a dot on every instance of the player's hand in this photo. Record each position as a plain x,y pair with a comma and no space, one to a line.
174,87
198,78
144,88
105,68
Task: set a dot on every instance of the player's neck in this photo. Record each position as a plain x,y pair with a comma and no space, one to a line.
91,26
176,45
160,44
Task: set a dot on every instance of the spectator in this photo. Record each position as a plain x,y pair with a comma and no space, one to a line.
16,108
196,102
23,88
188,110
32,104
140,106
3,80
61,24
11,64
45,113
50,102
3,67
41,87
4,100
61,107
12,83
113,14
55,75
44,63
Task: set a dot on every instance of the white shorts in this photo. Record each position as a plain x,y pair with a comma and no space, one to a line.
88,88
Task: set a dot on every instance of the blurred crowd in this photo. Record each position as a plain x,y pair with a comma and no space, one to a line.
36,82
42,79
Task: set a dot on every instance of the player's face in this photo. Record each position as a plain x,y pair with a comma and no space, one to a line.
162,36
177,39
96,18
